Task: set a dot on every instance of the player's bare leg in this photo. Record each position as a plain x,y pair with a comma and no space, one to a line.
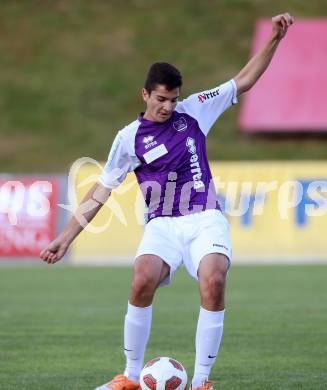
212,280
149,272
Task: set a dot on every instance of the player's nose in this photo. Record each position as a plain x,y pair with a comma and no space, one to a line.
168,107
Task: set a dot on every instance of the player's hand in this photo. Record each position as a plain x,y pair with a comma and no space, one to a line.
54,251
281,24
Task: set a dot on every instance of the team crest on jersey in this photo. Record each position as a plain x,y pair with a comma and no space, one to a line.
180,124
149,141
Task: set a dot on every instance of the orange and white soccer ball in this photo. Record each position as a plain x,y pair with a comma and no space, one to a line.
163,373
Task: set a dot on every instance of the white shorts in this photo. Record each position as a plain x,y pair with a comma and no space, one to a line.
186,239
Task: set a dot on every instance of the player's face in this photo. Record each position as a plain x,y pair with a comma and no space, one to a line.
160,103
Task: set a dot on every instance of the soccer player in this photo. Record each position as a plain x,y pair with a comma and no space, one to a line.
165,147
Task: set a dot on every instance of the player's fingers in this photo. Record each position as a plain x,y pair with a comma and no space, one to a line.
48,256
53,257
43,254
283,22
278,20
286,20
289,18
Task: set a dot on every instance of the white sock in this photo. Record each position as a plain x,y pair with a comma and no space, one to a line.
136,335
208,336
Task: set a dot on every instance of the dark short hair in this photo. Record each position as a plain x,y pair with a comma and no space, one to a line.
164,74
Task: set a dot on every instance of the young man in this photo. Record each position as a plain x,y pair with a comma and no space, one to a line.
165,147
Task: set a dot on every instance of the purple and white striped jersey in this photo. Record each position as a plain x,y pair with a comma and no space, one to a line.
169,159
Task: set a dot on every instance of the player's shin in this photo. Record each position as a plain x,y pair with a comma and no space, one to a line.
136,335
208,336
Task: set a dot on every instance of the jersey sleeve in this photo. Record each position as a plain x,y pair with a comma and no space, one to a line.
207,106
120,161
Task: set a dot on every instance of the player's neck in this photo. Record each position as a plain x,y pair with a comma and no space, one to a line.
147,115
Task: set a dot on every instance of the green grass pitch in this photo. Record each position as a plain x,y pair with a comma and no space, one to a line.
61,327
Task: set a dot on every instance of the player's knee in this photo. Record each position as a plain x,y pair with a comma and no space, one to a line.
216,281
143,285
213,285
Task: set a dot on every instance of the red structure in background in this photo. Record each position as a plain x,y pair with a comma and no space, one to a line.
291,95
28,216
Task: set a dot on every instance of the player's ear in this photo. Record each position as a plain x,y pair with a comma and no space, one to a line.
145,94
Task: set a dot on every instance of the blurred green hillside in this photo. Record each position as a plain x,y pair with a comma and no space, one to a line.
71,72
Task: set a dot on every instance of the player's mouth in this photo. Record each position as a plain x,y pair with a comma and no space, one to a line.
164,114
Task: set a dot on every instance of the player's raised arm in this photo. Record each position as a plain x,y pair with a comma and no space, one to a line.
86,211
252,71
